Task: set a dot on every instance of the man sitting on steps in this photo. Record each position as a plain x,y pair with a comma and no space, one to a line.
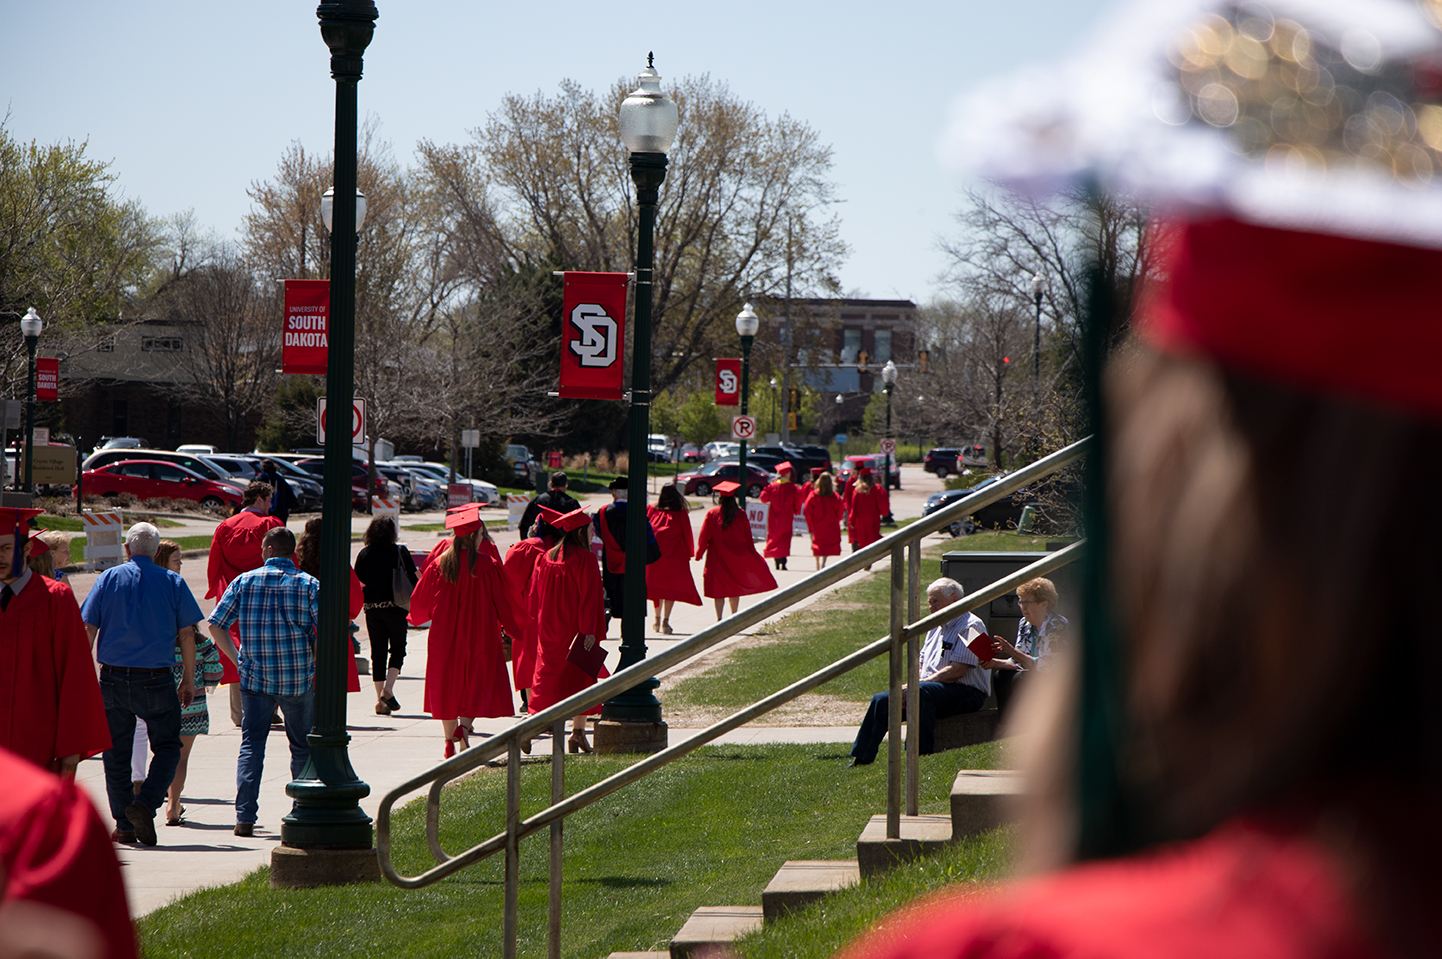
952,680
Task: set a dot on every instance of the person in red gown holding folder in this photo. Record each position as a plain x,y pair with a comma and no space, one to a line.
953,679
519,566
823,520
566,590
463,595
784,497
733,568
669,579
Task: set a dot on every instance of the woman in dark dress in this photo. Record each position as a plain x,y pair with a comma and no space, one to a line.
375,567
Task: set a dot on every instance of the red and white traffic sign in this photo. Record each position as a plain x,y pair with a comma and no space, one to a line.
888,446
743,427
357,420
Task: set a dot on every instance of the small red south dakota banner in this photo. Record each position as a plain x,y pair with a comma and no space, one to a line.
307,308
593,335
47,379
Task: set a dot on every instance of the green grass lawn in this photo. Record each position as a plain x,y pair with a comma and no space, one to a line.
711,829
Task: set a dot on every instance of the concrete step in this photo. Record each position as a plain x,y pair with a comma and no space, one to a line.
966,729
983,799
800,882
712,926
920,836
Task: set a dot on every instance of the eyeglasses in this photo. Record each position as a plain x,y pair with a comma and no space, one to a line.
1027,602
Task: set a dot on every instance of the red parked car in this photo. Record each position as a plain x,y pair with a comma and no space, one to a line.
700,482
359,473
152,479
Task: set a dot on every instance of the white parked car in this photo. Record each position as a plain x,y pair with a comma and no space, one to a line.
204,449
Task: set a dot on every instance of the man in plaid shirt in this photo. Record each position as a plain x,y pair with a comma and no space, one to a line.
277,607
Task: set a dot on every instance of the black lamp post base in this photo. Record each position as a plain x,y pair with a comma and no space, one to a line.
636,705
327,812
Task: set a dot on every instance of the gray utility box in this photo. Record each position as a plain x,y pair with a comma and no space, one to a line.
976,570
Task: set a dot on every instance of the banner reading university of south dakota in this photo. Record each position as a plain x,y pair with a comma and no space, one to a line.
307,309
593,335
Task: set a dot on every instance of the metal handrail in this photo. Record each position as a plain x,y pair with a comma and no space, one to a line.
509,739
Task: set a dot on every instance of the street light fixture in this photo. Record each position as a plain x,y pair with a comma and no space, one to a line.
888,376
30,327
327,209
327,822
648,120
746,326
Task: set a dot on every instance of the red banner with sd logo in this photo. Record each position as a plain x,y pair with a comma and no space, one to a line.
728,382
593,335
307,309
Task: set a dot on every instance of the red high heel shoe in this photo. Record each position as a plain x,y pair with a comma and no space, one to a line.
463,735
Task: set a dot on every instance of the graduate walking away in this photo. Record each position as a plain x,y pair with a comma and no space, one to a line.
669,579
519,566
866,503
566,592
823,520
784,497
733,568
462,593
50,707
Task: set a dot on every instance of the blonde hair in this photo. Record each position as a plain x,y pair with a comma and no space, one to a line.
1040,589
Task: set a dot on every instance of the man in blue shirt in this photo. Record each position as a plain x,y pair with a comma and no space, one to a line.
137,613
278,608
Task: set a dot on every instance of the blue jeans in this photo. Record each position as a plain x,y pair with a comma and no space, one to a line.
938,700
256,710
127,696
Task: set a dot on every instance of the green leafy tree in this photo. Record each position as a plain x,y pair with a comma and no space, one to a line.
700,419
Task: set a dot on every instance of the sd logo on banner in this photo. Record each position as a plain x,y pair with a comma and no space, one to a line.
728,382
593,335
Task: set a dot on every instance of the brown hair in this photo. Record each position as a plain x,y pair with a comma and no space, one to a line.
282,540
824,485
571,540
729,509
670,498
449,562
863,483
307,550
381,531
163,552
255,490
1041,590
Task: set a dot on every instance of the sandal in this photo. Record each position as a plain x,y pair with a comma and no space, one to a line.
177,820
579,745
463,735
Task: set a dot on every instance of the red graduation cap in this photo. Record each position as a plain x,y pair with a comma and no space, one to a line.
38,546
464,520
783,467
549,516
864,471
816,472
727,488
575,519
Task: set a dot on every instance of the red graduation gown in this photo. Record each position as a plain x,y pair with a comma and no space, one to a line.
863,516
823,519
566,595
519,566
50,704
670,576
465,668
785,500
733,567
56,853
235,549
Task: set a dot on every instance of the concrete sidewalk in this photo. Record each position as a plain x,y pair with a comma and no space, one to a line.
385,750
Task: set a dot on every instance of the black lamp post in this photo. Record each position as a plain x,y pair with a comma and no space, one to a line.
839,401
30,327
888,376
648,121
746,325
327,813
773,404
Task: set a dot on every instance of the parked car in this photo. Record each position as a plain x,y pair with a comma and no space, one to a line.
877,463
204,449
720,450
196,464
359,474
700,482
120,443
427,491
801,458
690,453
487,494
1003,514
768,463
527,468
152,479
941,460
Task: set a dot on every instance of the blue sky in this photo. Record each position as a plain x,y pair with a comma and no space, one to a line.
193,101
